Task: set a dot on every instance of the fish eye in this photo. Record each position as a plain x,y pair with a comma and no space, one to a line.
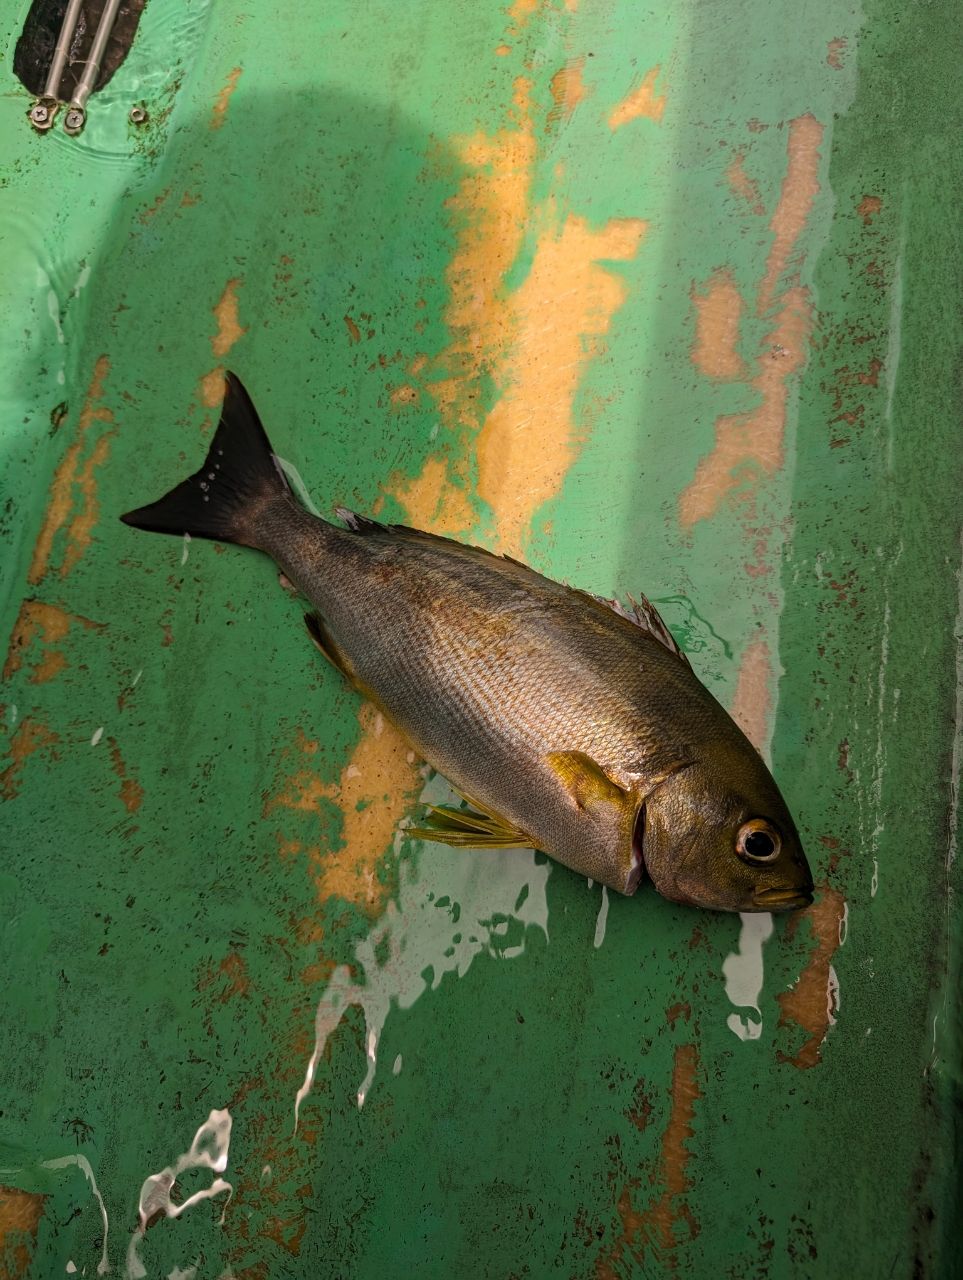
758,841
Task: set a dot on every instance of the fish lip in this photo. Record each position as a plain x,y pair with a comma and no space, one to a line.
782,899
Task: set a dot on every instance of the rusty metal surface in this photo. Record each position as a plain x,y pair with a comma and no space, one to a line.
658,300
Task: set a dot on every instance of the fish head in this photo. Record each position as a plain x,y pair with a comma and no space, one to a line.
717,833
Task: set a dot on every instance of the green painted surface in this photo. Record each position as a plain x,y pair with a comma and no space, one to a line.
557,1090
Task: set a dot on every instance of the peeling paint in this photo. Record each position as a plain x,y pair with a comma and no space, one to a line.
868,208
48,623
31,735
219,111
533,349
752,701
718,309
799,190
20,1214
808,1005
835,52
749,444
70,474
431,501
131,792
743,186
489,212
642,101
568,89
229,328
530,439
374,793
667,1221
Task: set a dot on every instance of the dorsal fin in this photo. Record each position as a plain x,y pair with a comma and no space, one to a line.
643,614
365,525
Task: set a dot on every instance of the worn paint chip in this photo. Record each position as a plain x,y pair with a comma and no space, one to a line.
49,625
750,444
375,791
568,89
131,792
530,439
75,477
668,1219
641,102
30,736
809,1003
718,307
219,111
20,1214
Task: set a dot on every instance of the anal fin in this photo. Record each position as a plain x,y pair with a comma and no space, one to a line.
324,641
468,829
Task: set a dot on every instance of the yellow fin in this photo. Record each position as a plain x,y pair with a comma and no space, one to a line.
466,829
584,779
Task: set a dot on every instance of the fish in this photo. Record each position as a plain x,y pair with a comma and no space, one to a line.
567,723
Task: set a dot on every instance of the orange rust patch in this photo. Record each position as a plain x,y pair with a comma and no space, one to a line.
489,211
229,329
750,443
747,444
50,624
20,1214
80,530
835,51
146,214
528,441
30,735
868,208
431,502
807,1004
375,791
718,309
405,394
531,344
353,330
568,90
230,975
131,792
752,701
799,189
212,389
640,101
71,473
219,113
659,1227
503,50
742,185
521,13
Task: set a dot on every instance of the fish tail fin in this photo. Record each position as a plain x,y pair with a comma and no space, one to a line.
226,499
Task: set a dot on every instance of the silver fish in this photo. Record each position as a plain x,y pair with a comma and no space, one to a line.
567,724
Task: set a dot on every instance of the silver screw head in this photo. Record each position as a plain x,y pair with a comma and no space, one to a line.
138,115
39,113
74,119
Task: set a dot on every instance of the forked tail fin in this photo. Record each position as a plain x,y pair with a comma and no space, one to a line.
239,479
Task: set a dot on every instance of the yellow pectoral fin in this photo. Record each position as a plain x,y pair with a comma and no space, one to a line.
585,780
466,829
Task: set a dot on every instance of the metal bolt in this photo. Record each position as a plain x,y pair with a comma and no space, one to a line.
74,119
138,115
43,113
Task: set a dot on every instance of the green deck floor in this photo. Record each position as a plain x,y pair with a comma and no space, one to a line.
661,299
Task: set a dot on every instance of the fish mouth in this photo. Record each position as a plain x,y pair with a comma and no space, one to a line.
782,899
